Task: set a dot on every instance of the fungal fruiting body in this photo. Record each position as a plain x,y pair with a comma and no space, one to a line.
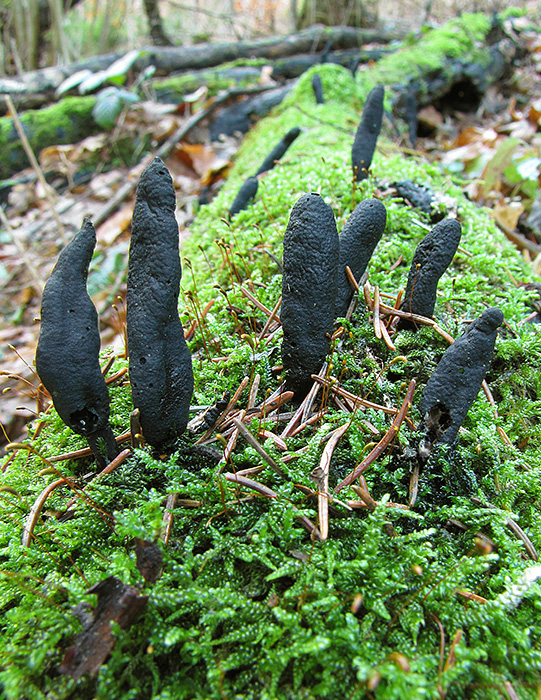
419,196
67,356
317,87
279,150
367,133
309,286
160,367
246,193
358,239
430,260
457,379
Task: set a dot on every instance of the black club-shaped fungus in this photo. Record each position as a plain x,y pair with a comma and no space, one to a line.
430,260
317,87
457,379
246,193
309,286
161,374
67,356
419,196
358,239
279,150
367,133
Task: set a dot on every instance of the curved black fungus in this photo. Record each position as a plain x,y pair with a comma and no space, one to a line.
309,286
279,150
430,260
67,356
246,193
317,87
456,381
419,196
358,239
161,374
367,134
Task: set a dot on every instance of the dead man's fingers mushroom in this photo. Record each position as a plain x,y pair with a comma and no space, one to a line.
67,356
430,260
457,379
367,133
160,369
309,286
358,239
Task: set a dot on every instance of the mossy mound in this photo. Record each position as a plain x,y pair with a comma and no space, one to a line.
437,600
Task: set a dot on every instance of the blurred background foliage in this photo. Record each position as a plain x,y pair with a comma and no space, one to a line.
38,33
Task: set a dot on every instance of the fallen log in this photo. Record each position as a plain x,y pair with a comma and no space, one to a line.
440,62
37,87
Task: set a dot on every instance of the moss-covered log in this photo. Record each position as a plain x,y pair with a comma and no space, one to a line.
249,603
68,121
467,57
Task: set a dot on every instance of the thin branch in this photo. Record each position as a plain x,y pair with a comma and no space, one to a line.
48,190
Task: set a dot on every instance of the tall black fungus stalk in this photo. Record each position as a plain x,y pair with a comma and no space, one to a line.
358,239
161,374
247,192
67,356
430,260
279,150
456,381
367,133
309,286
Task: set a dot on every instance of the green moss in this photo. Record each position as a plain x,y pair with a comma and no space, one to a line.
174,88
67,121
248,606
460,39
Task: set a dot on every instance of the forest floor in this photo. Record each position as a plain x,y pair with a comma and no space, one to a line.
495,142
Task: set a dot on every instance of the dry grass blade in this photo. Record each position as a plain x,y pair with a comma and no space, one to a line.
113,464
247,435
352,280
515,529
251,484
362,491
321,476
38,283
230,446
273,317
308,401
269,493
384,442
253,391
280,444
386,337
49,192
86,451
168,517
414,486
31,520
256,302
356,400
386,310
376,318
224,413
491,401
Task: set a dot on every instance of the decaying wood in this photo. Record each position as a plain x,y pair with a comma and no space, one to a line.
41,85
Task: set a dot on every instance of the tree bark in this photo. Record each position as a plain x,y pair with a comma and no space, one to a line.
353,13
155,25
